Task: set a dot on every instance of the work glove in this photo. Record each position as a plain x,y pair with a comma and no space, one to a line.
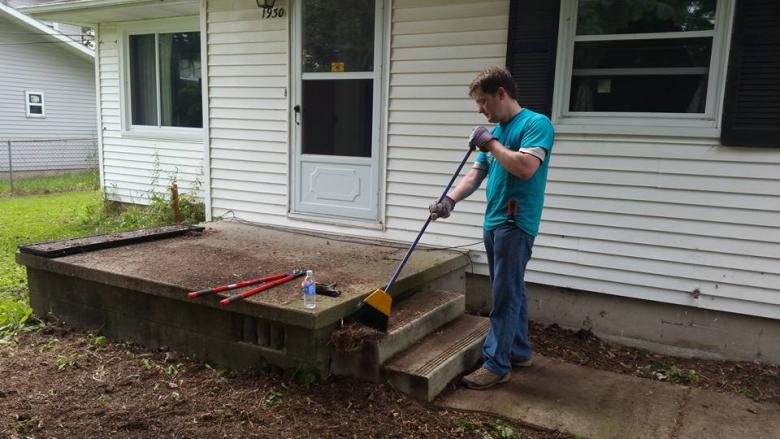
480,137
327,290
441,209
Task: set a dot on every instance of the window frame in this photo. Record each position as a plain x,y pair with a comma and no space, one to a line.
171,25
28,104
705,124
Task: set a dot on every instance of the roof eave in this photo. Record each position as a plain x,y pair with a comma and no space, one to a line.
40,27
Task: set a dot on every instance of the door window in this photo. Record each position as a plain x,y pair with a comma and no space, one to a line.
337,93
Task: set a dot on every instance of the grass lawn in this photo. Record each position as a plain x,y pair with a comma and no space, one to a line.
28,219
77,181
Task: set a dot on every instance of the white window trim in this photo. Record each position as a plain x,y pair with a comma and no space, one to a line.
706,124
27,105
178,24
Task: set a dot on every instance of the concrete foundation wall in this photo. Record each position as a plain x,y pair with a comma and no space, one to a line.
664,328
219,337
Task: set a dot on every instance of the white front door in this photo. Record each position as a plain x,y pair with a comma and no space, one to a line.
336,108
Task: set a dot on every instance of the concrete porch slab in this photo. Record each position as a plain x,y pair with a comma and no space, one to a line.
228,252
139,292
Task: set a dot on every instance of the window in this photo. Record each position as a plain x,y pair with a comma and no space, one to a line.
338,77
34,104
164,76
650,60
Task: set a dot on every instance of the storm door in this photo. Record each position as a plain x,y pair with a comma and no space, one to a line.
336,108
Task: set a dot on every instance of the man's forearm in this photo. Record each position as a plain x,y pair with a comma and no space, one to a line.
467,185
520,165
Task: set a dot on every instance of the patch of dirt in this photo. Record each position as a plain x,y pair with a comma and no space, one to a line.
352,337
216,258
64,383
754,380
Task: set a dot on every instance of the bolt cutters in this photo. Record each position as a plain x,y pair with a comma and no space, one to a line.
267,282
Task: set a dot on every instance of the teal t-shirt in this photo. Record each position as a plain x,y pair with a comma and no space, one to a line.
509,198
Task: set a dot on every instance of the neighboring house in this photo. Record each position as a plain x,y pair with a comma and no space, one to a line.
47,93
73,32
663,205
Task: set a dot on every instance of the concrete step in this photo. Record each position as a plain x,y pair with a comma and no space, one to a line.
411,319
423,370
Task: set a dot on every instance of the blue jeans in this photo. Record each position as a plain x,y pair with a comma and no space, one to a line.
508,251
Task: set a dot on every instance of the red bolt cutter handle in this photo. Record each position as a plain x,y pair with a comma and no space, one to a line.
245,283
263,287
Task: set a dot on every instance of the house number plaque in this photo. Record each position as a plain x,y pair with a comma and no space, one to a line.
269,9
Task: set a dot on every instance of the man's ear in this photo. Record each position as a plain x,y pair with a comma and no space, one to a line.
501,93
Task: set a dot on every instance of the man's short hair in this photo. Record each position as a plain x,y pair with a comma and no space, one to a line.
491,78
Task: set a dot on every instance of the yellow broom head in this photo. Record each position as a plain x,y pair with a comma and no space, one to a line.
374,312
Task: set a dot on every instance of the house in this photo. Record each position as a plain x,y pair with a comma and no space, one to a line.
47,96
661,221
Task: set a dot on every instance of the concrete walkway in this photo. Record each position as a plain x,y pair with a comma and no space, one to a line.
597,404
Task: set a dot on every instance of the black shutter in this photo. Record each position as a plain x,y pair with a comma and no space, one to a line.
751,107
531,48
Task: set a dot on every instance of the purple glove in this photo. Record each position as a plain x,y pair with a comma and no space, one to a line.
441,209
480,137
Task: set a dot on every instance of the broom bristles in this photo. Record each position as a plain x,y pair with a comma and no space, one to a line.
374,312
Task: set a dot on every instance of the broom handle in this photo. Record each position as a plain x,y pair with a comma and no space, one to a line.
425,226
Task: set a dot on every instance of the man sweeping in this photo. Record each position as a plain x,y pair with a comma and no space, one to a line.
514,156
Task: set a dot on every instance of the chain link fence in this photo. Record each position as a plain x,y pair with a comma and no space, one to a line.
27,163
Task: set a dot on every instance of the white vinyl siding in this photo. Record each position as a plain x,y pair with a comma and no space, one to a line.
248,103
129,163
654,218
33,62
437,48
663,219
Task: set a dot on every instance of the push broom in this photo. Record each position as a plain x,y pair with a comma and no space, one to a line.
374,311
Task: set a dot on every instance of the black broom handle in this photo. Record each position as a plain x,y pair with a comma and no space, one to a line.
425,226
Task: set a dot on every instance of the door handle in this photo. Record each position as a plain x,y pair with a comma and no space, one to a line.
297,110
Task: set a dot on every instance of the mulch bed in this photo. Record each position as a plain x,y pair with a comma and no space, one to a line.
59,382
754,380
65,383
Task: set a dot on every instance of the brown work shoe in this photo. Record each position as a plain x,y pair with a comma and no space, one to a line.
482,378
523,363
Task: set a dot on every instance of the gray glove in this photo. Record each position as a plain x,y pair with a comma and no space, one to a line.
441,209
480,137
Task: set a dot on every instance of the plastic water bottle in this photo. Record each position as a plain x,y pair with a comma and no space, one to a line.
309,290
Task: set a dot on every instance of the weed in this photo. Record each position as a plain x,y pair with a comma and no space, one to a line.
272,398
502,430
674,373
684,376
49,345
100,341
147,364
24,424
220,374
466,426
104,399
171,370
176,396
14,312
66,361
746,392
